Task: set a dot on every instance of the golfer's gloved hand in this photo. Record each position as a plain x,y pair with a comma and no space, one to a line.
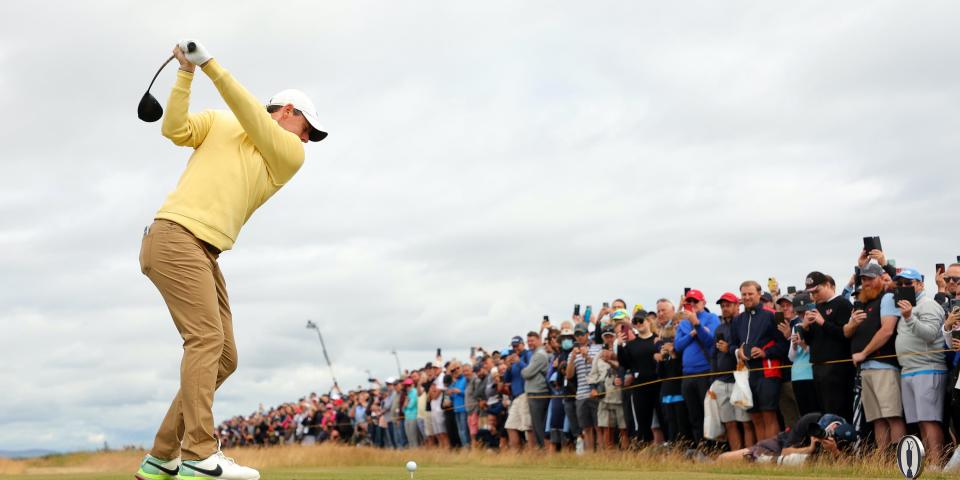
199,56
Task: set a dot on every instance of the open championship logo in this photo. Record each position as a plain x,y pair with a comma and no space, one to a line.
910,456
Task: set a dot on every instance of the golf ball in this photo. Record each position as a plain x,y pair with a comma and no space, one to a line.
411,466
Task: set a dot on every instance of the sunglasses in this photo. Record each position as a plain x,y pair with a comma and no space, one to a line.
579,334
951,279
692,301
905,283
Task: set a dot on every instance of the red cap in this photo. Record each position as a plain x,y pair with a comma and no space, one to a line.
408,381
696,294
728,297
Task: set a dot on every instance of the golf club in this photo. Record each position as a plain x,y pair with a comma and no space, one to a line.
149,109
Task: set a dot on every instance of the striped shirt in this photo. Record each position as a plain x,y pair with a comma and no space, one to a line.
583,370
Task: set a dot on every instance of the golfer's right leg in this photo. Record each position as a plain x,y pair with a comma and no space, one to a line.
184,273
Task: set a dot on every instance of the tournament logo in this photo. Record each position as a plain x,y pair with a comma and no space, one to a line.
910,456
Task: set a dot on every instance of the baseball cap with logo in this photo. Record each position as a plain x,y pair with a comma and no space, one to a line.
566,332
728,297
911,274
785,298
815,278
695,294
301,102
871,270
516,340
580,328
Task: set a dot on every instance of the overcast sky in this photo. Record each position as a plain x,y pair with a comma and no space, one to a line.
488,163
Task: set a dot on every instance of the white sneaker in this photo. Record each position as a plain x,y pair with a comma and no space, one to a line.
217,465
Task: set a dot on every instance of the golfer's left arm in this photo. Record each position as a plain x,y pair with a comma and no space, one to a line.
282,151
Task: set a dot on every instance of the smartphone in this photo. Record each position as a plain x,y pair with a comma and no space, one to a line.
779,318
576,309
856,278
941,268
791,290
771,284
906,293
438,353
719,337
473,351
546,318
606,304
686,290
955,334
872,243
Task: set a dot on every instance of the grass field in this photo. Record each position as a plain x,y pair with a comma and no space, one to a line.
336,462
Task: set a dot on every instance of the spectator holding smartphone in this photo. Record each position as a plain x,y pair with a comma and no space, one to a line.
578,366
669,365
638,345
518,417
871,330
822,329
695,344
801,372
923,367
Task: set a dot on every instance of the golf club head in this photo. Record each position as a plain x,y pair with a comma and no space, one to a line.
149,109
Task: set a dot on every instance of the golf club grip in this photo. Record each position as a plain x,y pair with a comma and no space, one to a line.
191,47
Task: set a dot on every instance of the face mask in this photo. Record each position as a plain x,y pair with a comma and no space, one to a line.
567,344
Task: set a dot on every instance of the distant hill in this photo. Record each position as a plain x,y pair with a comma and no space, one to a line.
25,453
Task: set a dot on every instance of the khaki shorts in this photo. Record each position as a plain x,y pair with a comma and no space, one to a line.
518,417
427,424
881,393
610,415
728,412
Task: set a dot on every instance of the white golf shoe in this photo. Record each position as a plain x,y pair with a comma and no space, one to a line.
219,466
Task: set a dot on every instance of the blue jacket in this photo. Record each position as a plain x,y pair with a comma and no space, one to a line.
693,358
458,398
513,376
756,327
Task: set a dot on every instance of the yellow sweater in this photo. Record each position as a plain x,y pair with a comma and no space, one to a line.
241,158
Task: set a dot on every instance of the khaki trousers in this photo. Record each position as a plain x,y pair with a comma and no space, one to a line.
186,272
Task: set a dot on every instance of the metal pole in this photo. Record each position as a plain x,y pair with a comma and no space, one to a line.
397,358
323,346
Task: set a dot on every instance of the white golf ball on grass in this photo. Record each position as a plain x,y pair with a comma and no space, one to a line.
411,466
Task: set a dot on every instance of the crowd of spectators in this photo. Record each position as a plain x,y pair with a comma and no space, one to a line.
835,369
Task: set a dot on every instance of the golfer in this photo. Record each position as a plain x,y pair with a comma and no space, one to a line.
241,157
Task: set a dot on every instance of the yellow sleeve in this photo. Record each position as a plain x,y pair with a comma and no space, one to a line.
282,151
180,126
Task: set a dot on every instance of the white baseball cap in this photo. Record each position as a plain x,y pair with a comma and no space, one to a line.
301,102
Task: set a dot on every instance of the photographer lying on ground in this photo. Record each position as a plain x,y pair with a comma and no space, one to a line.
812,434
